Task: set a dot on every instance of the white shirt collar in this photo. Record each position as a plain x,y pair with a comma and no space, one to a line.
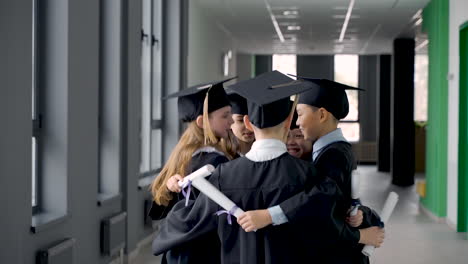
266,149
332,137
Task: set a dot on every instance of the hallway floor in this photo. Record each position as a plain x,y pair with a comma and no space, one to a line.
411,236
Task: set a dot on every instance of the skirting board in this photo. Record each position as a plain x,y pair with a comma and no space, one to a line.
451,224
432,216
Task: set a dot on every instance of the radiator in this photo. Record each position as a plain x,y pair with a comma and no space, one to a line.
58,253
113,234
365,151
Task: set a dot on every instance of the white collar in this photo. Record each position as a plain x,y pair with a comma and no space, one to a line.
208,150
266,149
332,137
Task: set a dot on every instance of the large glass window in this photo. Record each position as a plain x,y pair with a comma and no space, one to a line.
347,72
35,116
151,111
285,63
420,87
110,103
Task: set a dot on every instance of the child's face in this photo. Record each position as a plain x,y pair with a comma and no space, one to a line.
239,129
221,121
297,145
308,121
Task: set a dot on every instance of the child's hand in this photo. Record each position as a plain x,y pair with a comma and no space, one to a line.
253,220
355,220
172,183
372,236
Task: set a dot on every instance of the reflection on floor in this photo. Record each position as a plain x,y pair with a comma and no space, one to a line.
411,236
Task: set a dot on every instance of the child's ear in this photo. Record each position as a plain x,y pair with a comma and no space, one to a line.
247,123
322,114
199,121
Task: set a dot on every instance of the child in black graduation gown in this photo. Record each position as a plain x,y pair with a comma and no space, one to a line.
244,137
207,111
319,110
297,145
266,176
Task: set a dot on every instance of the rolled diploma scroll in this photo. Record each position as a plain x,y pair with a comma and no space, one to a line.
387,210
201,172
214,194
354,192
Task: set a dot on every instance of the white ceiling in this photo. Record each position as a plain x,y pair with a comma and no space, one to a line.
372,27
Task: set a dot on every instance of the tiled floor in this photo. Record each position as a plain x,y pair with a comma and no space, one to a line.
411,236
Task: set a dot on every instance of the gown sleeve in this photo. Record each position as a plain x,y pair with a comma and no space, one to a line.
323,203
185,224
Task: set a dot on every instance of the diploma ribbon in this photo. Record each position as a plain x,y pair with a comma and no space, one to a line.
229,213
187,186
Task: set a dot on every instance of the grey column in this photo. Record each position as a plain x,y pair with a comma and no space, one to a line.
368,98
316,66
383,129
402,103
263,63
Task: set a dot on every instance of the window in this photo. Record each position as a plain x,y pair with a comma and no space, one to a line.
285,63
347,72
151,111
420,87
36,117
50,84
109,118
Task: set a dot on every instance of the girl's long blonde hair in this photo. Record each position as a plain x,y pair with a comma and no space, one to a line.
192,139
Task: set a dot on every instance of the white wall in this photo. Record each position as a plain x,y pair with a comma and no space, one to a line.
458,16
208,41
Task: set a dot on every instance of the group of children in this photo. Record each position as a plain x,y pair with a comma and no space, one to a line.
296,196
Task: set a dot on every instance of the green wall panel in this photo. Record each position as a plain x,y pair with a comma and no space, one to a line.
462,221
436,24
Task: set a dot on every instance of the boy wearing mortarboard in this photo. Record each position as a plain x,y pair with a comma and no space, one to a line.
319,110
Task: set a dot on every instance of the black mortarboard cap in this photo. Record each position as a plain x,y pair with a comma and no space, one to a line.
329,95
190,100
268,97
238,104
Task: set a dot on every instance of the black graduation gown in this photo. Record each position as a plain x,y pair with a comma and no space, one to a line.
337,162
257,185
193,252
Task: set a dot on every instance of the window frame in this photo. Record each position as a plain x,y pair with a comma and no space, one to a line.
152,116
36,118
357,120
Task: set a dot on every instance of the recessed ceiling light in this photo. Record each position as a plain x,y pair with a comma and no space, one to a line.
422,45
418,22
290,13
344,16
418,14
294,28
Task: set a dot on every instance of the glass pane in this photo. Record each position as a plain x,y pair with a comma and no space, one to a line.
156,62
351,131
146,86
347,72
353,100
34,107
156,142
34,44
285,63
34,171
420,87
